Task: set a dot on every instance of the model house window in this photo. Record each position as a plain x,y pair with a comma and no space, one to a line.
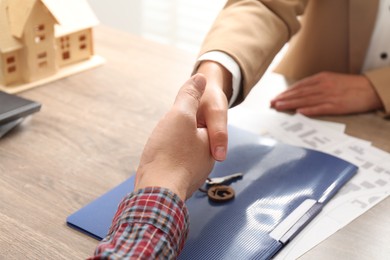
41,27
66,55
82,42
39,38
42,59
65,43
11,64
42,64
11,69
65,47
42,55
39,33
10,60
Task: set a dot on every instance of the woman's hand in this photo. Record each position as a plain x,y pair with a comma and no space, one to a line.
329,93
213,108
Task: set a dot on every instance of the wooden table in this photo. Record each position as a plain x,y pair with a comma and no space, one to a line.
88,138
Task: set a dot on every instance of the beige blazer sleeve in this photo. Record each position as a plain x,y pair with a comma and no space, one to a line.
252,33
380,78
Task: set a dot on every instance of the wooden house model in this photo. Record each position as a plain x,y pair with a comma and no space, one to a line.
43,40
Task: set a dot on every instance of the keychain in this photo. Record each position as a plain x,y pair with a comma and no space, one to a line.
221,193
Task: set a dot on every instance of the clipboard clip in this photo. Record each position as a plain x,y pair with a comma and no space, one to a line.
296,221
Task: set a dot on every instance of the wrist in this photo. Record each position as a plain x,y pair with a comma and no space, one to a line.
150,176
217,75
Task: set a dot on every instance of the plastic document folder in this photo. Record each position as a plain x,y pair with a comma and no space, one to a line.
282,189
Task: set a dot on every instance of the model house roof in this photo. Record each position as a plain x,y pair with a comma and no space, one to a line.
70,16
7,41
19,12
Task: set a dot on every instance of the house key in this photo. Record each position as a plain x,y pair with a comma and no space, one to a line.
221,180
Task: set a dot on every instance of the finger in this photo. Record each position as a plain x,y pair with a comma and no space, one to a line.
214,117
299,92
190,93
299,102
319,110
308,92
217,128
302,88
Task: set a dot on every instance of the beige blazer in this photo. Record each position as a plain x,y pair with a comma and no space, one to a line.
324,35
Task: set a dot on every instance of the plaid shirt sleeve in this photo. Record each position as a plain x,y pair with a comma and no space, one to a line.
151,223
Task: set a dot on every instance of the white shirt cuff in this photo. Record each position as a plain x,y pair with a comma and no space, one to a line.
230,64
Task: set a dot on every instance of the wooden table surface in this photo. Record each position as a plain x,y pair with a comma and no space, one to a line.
88,138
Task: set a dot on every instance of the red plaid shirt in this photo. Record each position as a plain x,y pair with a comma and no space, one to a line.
151,223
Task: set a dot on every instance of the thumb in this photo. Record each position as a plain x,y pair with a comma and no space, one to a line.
188,98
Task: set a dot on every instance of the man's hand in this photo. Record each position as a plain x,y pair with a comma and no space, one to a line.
212,113
177,155
329,93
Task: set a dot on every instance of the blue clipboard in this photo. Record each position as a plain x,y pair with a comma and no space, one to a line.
95,218
283,188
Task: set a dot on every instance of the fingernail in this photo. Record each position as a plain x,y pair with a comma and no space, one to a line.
220,153
280,103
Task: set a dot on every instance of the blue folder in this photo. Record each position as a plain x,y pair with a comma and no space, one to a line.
283,188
